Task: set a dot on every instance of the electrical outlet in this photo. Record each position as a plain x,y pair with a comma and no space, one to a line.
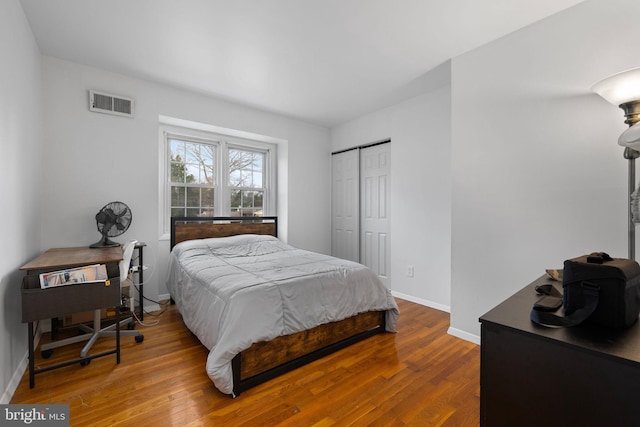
409,270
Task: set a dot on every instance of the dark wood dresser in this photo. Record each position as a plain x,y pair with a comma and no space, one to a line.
531,375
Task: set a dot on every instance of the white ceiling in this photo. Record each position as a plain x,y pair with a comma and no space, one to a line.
322,61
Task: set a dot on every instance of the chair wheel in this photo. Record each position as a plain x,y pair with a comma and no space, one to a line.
131,325
85,362
139,338
46,353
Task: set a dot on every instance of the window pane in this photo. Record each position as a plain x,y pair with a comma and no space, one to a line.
236,198
245,168
207,197
207,172
177,196
257,161
177,149
246,203
193,196
257,180
177,172
193,152
177,164
177,212
193,212
247,199
207,154
191,173
245,179
234,178
235,159
258,208
204,176
258,199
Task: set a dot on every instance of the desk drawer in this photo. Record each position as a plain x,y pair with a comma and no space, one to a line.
38,304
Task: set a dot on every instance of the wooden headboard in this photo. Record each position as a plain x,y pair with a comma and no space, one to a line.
190,228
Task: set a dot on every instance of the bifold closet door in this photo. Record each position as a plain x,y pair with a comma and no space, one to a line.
360,207
375,249
345,237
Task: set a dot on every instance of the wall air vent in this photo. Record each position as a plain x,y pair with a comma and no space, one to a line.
101,102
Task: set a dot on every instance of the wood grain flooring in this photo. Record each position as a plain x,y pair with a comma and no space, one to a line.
420,376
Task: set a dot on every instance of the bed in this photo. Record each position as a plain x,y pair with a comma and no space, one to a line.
263,307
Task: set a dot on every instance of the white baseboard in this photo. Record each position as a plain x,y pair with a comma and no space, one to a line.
421,301
19,372
451,331
150,306
15,380
464,335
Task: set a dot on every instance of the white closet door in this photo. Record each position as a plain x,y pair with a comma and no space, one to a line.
345,205
375,249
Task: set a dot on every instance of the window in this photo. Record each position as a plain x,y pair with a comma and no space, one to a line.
192,177
214,175
246,183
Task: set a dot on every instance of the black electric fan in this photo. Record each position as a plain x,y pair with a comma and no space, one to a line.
112,220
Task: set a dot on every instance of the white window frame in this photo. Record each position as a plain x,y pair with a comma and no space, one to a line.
266,177
217,166
221,186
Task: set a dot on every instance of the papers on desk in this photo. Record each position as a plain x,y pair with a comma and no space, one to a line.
72,276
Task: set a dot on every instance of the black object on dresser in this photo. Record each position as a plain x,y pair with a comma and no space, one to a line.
531,375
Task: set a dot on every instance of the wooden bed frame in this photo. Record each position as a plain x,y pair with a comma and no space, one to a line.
266,360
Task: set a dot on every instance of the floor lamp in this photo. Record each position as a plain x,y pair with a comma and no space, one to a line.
623,89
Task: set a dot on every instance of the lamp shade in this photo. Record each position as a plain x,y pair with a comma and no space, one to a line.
620,88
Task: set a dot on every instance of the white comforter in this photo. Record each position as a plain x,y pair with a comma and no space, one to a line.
235,291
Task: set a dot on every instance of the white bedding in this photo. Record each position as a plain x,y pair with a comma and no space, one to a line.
235,291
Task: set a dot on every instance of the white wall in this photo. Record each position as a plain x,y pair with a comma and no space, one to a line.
93,158
419,130
21,147
537,174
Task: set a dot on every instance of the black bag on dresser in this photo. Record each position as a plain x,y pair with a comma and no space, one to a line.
597,289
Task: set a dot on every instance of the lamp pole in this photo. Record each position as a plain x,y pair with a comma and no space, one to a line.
632,116
631,155
623,89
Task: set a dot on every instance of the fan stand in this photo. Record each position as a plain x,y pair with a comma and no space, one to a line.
105,242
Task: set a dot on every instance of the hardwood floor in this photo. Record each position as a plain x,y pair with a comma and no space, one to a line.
418,377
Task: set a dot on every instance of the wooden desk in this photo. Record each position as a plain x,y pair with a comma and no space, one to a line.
38,304
531,375
60,258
